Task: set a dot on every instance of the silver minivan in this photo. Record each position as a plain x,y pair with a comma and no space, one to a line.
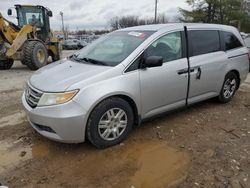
102,91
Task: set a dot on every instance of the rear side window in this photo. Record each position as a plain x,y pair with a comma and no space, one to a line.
231,41
203,42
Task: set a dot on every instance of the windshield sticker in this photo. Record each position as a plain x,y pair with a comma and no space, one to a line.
137,34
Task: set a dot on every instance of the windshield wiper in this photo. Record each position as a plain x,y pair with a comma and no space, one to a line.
74,57
93,61
87,60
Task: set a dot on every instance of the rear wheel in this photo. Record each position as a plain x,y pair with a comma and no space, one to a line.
35,55
110,122
229,87
6,64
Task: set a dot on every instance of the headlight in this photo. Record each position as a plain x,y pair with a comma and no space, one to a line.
56,98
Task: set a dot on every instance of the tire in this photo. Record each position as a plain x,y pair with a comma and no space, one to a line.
54,57
229,87
35,55
6,64
23,62
116,130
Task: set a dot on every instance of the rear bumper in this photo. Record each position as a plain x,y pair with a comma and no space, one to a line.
63,123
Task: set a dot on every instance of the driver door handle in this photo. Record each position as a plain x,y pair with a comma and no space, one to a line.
197,71
185,71
182,71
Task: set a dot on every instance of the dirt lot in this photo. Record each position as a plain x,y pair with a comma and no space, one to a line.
206,145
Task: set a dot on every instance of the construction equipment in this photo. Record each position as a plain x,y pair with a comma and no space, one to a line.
31,41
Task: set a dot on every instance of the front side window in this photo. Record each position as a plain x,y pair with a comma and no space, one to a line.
203,42
113,48
231,41
169,47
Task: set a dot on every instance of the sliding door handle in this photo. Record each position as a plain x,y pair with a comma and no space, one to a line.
198,74
196,71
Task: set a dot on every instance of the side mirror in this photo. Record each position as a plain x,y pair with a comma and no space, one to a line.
9,12
49,13
152,61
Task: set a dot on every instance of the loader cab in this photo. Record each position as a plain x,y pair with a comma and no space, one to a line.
37,16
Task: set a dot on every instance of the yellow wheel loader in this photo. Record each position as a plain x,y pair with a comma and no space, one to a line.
31,41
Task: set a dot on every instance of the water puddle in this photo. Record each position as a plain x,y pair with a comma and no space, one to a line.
140,165
40,150
158,165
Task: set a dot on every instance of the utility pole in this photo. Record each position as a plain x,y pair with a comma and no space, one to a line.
156,2
64,37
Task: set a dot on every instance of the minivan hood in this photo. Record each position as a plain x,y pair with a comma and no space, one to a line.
60,75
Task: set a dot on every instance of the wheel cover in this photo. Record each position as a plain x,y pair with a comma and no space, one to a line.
40,56
112,124
229,87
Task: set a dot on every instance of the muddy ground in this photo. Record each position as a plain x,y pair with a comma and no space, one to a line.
206,145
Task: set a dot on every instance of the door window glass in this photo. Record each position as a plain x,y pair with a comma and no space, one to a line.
168,47
204,42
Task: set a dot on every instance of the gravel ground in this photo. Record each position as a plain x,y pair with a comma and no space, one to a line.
205,145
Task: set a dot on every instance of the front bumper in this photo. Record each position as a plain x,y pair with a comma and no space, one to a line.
67,121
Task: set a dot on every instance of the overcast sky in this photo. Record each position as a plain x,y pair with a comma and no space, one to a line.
95,14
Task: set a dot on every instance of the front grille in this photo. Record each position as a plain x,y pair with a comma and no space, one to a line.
32,96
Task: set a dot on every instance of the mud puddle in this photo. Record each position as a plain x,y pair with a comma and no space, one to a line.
146,164
159,165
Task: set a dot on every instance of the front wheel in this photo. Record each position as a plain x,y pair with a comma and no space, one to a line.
110,122
229,87
6,64
35,55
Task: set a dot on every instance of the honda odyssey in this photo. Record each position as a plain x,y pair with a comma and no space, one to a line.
100,92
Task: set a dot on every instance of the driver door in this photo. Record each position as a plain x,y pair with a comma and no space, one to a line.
164,88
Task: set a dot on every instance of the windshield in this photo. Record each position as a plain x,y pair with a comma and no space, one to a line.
30,15
113,48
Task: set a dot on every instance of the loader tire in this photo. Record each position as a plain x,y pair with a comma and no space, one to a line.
6,64
35,55
23,62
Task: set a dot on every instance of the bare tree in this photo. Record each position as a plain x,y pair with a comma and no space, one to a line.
114,23
129,21
161,19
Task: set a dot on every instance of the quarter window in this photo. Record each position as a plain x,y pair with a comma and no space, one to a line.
135,65
169,47
204,42
231,41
